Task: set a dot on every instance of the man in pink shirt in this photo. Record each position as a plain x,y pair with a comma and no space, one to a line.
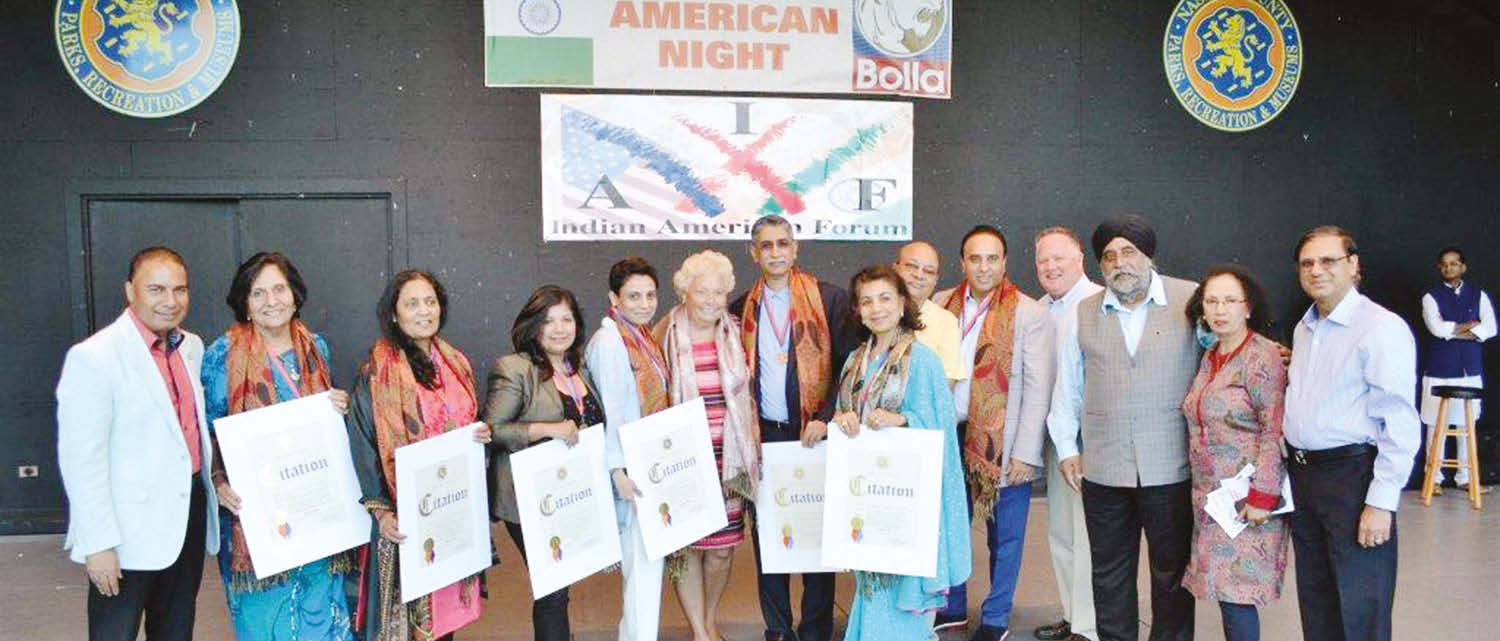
134,453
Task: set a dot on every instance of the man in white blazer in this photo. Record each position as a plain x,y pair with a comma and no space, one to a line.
135,457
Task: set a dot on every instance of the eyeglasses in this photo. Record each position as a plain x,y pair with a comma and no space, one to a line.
1216,302
915,270
1326,262
1126,253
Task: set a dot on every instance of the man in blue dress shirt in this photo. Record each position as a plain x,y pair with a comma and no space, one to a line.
1351,429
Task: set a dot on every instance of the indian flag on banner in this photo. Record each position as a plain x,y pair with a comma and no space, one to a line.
536,42
803,46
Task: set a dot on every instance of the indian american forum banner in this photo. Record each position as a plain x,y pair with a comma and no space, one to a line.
620,167
804,46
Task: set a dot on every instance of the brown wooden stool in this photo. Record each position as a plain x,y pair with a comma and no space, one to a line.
1440,433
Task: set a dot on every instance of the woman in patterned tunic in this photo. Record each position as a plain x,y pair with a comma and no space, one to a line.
269,356
1234,412
701,343
892,381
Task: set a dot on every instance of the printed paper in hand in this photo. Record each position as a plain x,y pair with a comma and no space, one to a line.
882,500
789,508
299,497
442,507
670,456
567,511
1223,504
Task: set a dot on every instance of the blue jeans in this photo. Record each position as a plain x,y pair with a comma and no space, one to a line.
1006,529
1241,621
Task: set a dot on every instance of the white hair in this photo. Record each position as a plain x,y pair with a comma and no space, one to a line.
705,263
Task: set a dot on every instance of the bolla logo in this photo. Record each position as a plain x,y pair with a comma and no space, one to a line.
903,46
910,76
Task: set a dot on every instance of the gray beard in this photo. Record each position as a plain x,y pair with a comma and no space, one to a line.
1143,283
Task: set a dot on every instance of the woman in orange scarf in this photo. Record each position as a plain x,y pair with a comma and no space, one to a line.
414,386
266,357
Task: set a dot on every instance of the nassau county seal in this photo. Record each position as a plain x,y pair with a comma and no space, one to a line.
148,58
1233,64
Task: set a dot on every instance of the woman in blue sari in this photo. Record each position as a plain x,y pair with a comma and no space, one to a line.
893,381
266,357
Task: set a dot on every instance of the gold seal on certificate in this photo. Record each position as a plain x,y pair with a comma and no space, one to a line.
567,511
672,453
789,508
290,464
882,500
442,504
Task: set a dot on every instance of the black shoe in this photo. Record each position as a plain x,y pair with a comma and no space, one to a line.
990,633
1055,632
945,621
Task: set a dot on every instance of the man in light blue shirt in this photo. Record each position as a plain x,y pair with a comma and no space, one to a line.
1059,270
795,329
1351,429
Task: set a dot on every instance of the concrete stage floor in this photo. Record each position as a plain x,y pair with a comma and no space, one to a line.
1448,588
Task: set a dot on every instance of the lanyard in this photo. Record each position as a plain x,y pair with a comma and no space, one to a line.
572,390
294,381
785,330
643,343
984,308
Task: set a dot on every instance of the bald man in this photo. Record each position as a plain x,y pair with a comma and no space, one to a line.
919,265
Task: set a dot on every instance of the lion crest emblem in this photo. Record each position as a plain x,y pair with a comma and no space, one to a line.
149,38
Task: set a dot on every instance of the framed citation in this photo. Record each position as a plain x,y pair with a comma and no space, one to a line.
290,464
789,508
883,497
442,506
670,457
567,511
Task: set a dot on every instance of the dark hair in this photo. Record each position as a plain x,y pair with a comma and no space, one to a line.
149,253
1255,297
421,367
528,326
1327,230
983,229
631,266
875,273
1453,249
239,288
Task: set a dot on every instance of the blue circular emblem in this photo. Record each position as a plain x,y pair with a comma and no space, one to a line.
539,17
148,58
1233,64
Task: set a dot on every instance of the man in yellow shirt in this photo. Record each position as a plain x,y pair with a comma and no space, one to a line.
918,263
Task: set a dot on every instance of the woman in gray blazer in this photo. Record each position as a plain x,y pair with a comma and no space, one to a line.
539,392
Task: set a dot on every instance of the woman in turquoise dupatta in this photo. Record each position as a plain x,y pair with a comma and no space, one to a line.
893,381
270,356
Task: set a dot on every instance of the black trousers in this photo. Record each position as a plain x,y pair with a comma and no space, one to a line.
549,614
776,589
1344,591
166,598
776,603
1115,517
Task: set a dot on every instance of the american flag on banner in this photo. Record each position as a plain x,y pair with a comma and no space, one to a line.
588,161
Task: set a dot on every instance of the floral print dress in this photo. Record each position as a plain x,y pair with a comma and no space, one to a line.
1234,412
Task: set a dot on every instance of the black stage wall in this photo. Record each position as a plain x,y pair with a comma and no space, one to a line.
358,136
